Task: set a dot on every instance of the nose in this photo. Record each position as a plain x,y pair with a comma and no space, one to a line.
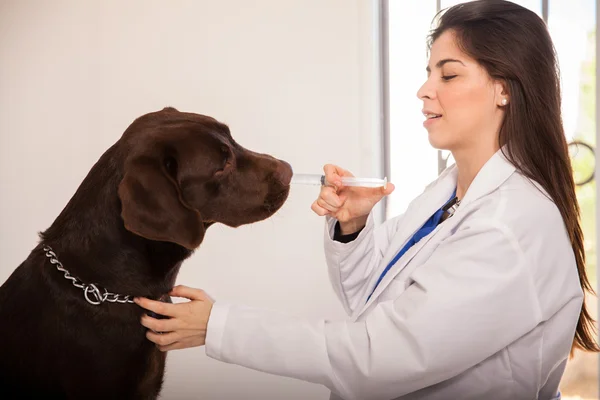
283,172
426,91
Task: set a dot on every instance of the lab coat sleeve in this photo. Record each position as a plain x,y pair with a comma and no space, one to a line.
472,298
350,265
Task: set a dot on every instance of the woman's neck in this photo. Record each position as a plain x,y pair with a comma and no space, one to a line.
469,163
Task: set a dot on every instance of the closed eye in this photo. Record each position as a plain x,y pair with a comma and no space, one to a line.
171,166
448,77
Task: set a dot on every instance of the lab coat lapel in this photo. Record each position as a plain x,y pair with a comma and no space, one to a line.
489,178
418,212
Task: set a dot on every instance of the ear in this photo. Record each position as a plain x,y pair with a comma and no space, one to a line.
152,206
502,96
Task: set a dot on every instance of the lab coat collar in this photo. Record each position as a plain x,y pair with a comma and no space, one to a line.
494,172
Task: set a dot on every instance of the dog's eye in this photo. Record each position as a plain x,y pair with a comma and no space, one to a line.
225,159
225,153
171,166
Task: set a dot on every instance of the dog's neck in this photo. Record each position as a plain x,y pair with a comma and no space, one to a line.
92,243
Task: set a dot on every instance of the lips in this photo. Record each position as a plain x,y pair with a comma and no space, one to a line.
430,114
430,117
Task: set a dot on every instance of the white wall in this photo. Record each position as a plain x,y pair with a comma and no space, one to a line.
295,78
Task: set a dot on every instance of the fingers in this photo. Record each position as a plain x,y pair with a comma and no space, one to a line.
162,325
188,293
320,211
172,346
169,309
167,337
159,307
346,203
375,194
183,344
329,199
328,202
388,189
333,173
163,339
174,340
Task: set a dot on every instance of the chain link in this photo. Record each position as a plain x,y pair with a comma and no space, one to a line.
92,293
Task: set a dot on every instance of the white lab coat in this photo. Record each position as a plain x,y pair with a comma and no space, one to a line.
484,307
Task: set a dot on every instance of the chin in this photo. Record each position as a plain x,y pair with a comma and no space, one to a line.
439,143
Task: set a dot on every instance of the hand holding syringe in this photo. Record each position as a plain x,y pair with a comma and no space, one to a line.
317,179
349,205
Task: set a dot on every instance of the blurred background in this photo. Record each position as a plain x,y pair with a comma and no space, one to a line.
308,81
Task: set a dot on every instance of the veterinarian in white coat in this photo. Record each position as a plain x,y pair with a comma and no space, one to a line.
483,301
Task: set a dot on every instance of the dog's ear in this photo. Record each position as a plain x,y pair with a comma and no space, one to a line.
152,206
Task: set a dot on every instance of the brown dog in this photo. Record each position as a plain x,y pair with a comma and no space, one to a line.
142,209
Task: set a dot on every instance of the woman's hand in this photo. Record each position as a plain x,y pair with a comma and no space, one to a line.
350,205
187,324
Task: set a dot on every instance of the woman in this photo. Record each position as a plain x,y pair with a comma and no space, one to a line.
485,300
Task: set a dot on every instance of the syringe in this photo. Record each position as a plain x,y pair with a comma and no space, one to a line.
317,179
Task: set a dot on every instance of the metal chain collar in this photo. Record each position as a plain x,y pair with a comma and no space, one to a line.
92,293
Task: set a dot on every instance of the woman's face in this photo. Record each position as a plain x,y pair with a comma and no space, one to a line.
462,105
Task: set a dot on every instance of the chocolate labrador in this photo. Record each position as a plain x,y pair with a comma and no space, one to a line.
69,327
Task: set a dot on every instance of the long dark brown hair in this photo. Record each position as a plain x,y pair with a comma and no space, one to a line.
514,46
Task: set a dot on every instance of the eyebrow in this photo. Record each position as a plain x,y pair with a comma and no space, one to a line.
441,63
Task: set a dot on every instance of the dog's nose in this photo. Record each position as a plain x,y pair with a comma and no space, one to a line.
283,173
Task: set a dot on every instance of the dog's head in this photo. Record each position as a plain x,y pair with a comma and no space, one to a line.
184,171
